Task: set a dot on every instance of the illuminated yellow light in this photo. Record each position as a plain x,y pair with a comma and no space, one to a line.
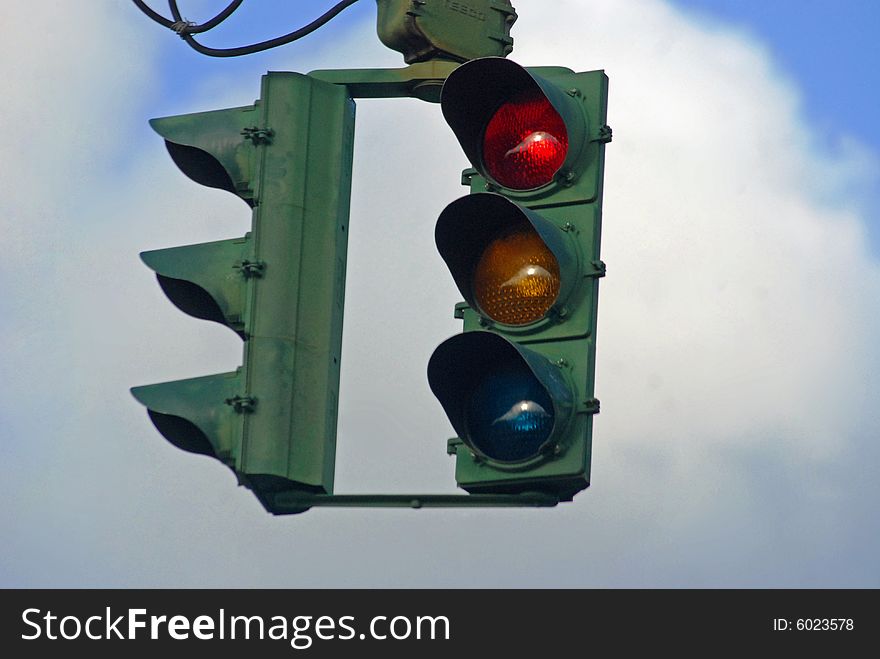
516,280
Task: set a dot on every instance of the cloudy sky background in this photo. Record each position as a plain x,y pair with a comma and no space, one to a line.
737,353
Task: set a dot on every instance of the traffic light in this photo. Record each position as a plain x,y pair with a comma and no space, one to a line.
280,287
523,249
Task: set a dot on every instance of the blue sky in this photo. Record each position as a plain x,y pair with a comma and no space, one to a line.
737,358
829,47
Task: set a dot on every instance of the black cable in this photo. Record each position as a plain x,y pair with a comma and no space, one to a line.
214,22
161,20
186,30
179,25
263,45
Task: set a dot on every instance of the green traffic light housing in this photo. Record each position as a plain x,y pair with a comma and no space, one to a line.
280,287
517,385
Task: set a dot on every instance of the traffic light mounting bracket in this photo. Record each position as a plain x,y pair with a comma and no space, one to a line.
286,503
422,80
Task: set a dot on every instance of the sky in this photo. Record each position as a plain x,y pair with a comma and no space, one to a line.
736,361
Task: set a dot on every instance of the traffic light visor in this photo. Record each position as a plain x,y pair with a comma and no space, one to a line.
181,412
211,149
206,280
511,264
505,402
516,128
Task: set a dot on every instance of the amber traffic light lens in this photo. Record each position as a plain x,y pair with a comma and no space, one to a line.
516,280
525,142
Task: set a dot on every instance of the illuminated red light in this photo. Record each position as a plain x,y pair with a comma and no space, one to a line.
525,142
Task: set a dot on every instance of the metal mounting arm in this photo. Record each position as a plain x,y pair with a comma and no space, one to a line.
288,503
422,80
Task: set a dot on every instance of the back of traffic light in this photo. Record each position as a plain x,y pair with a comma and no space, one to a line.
523,249
280,287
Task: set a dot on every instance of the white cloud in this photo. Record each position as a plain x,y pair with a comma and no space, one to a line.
736,351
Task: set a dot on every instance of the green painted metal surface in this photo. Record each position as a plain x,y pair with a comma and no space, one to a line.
208,281
422,80
446,29
210,149
193,415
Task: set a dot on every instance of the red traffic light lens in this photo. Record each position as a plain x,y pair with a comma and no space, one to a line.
525,142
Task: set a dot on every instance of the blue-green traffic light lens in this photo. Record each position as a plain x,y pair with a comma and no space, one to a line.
510,415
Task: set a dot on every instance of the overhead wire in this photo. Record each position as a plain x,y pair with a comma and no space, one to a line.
186,29
214,22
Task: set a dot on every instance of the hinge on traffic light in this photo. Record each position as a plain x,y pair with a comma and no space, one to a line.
242,404
250,268
598,269
604,136
258,135
591,406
